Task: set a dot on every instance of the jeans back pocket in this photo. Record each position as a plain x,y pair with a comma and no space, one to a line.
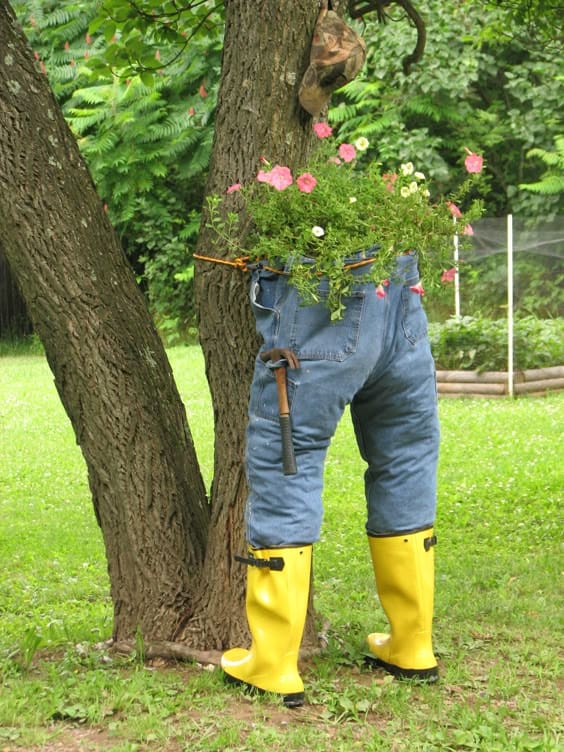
312,335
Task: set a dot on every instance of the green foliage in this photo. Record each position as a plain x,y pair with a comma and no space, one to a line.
551,181
535,22
537,286
145,128
474,87
473,343
343,207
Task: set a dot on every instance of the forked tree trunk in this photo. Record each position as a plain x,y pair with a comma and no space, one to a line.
109,365
170,554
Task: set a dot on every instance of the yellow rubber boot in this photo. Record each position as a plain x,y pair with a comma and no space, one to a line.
277,598
404,568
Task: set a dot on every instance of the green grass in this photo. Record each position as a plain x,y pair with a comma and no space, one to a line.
498,608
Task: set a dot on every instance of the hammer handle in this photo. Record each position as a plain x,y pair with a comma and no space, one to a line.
288,457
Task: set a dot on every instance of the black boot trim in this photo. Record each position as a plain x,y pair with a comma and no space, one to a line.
294,699
275,563
291,700
427,675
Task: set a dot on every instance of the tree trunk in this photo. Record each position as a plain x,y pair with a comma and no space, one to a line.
266,52
109,365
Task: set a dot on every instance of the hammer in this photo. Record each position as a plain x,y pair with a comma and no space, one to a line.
276,354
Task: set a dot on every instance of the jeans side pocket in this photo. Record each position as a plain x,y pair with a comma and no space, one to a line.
414,318
263,296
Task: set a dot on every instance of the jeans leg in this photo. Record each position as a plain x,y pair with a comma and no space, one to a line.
397,430
286,510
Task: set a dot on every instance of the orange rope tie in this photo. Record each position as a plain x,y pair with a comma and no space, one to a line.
238,263
241,263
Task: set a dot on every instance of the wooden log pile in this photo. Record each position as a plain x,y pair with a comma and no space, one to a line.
534,382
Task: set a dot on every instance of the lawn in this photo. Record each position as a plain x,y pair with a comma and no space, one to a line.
498,624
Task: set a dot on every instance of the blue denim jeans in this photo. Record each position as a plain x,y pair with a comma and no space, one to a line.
377,359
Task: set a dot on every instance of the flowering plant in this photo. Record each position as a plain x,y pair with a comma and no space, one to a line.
333,208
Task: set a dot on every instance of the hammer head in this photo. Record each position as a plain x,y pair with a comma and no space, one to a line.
281,353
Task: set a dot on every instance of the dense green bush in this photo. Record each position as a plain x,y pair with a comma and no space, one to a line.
470,343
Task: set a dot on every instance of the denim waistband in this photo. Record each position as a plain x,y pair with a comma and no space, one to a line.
405,272
360,255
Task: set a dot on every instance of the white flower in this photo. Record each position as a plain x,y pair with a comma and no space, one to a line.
362,143
426,193
419,175
318,231
407,168
405,191
352,199
413,187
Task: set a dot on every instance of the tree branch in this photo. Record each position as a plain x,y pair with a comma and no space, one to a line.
358,8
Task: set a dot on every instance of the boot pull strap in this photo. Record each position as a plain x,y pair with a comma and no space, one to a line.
428,542
275,563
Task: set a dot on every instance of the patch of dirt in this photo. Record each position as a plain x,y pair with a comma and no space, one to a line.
72,739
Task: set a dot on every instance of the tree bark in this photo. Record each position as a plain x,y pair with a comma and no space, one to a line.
108,362
266,52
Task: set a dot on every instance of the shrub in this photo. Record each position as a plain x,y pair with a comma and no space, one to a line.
472,343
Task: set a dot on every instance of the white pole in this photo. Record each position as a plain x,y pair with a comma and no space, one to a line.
456,278
510,304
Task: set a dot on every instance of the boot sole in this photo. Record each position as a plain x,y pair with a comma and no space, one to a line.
292,700
427,675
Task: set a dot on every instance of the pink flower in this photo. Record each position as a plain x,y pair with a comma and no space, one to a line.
306,182
279,177
322,130
468,230
234,187
347,152
454,210
380,292
448,275
418,289
473,162
202,91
